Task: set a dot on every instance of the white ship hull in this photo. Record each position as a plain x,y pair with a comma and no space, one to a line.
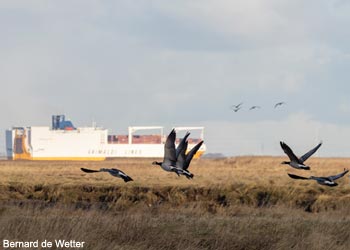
86,143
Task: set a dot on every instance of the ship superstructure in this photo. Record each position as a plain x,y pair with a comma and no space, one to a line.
64,141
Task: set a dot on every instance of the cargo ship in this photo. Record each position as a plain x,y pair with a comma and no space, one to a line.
64,141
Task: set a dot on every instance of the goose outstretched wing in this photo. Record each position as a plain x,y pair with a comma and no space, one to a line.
298,177
311,152
169,149
181,159
86,170
181,144
190,155
334,177
289,152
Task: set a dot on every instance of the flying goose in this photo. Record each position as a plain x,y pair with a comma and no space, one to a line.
183,160
279,104
254,107
113,171
328,181
169,159
236,107
181,149
296,162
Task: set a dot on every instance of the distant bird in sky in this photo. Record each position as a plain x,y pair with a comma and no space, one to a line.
113,171
328,181
296,162
254,107
236,107
170,157
279,104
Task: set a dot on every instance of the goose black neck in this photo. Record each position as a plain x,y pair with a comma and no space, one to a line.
157,163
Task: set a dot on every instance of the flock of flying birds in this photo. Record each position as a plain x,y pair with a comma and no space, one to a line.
177,160
298,163
239,106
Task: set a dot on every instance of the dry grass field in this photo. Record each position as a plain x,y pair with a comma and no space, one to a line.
232,203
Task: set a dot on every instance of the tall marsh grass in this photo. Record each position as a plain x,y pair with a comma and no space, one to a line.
233,203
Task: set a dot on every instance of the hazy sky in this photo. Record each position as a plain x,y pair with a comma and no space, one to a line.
183,62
